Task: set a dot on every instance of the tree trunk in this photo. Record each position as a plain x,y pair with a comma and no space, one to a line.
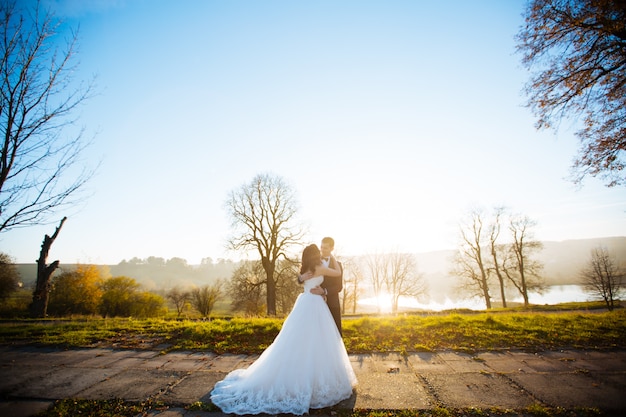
498,271
483,277
523,281
502,293
39,306
485,287
270,268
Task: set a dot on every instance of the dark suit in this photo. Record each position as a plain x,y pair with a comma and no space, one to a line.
333,285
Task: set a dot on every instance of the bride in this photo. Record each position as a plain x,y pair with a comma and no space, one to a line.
306,366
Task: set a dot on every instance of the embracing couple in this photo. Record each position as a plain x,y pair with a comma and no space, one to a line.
331,285
307,365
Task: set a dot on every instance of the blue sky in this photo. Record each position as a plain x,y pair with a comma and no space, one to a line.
391,119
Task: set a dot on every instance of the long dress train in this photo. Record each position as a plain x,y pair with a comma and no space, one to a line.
306,366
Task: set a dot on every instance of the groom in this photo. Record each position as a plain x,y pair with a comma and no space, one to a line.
331,285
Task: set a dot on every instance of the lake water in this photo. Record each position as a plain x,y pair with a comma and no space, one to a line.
555,294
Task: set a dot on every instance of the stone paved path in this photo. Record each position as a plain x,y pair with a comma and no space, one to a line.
32,378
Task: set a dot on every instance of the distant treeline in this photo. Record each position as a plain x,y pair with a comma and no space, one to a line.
153,273
562,262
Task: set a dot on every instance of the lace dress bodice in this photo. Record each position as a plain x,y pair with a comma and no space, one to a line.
312,283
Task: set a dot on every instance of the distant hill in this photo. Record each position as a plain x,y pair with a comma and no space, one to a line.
562,260
159,275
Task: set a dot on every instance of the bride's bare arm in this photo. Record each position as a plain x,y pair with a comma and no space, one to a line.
327,271
307,275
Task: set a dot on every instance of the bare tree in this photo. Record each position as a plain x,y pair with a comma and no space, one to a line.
263,215
470,262
524,273
376,266
498,251
578,48
472,285
41,294
287,288
394,275
37,100
402,278
179,298
603,276
247,288
353,277
204,298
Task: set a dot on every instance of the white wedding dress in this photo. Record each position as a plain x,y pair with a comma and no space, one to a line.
306,366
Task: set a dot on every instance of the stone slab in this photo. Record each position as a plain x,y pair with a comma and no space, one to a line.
64,383
390,391
572,390
426,362
229,362
132,385
481,390
196,386
14,376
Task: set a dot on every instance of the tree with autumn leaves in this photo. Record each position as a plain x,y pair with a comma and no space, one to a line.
87,290
76,292
576,50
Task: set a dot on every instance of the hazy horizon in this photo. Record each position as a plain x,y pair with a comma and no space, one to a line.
588,243
562,262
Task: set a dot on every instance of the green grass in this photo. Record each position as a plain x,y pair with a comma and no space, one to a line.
99,408
119,408
487,331
533,331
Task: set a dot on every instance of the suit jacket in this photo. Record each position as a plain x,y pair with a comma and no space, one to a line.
333,285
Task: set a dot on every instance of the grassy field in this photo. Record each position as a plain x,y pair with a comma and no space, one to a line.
534,330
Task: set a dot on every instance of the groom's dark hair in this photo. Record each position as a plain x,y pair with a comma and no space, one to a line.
330,241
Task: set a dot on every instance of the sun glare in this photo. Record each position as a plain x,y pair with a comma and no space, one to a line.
382,303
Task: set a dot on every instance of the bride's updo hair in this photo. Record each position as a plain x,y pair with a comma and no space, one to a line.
311,258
